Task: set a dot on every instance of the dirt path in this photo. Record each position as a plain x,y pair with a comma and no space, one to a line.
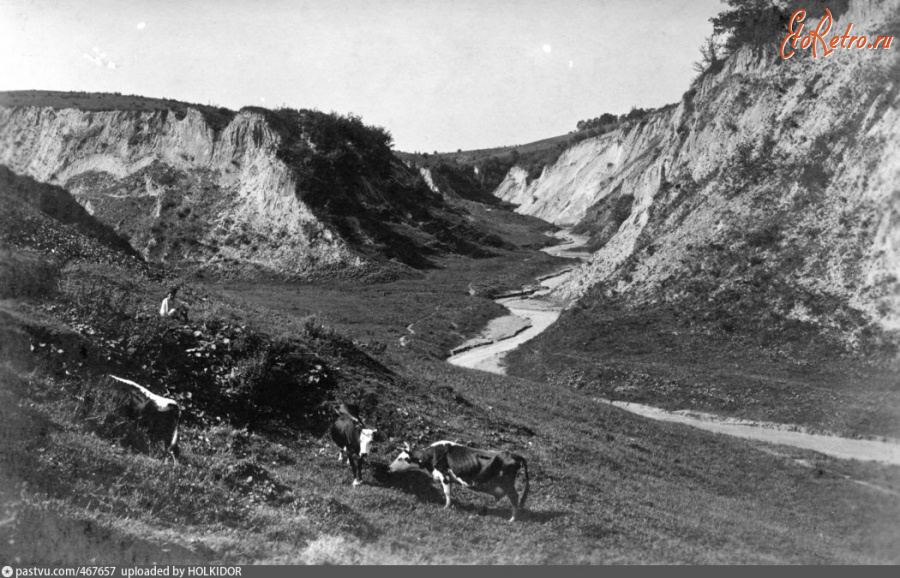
542,313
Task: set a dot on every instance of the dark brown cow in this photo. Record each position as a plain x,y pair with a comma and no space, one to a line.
352,438
487,471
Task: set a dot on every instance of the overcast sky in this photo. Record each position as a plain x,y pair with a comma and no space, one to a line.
439,74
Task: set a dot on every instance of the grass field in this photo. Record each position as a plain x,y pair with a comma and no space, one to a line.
607,487
651,356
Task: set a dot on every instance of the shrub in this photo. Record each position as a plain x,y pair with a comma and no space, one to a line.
212,366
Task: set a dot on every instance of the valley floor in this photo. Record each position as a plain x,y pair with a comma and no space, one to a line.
538,312
606,486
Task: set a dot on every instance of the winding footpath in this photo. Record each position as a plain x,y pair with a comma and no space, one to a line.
534,311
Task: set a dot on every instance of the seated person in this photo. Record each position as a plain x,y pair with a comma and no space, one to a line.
169,307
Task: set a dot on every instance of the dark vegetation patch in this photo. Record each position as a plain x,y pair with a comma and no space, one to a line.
602,220
172,224
55,203
463,180
762,24
26,274
215,368
348,175
751,164
46,219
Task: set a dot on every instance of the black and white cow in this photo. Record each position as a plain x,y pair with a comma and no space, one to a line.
487,471
160,415
353,439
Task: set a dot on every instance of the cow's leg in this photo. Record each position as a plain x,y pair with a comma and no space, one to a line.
341,453
355,468
357,476
445,483
455,478
513,496
172,447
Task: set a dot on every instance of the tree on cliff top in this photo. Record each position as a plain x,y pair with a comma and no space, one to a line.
753,23
756,23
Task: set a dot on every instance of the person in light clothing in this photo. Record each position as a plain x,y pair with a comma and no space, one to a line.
169,306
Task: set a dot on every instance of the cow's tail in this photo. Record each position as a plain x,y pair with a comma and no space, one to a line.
522,462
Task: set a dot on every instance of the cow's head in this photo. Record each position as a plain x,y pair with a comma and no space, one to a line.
365,441
406,461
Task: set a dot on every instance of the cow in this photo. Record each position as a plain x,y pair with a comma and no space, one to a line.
352,438
160,415
487,471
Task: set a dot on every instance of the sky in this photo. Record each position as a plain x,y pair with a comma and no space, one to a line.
438,74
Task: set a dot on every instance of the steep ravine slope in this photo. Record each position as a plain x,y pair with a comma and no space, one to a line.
289,192
769,195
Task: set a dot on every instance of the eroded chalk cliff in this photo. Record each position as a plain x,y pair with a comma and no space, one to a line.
130,167
772,188
291,193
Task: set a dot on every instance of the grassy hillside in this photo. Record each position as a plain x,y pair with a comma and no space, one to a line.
218,117
668,357
475,155
256,368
